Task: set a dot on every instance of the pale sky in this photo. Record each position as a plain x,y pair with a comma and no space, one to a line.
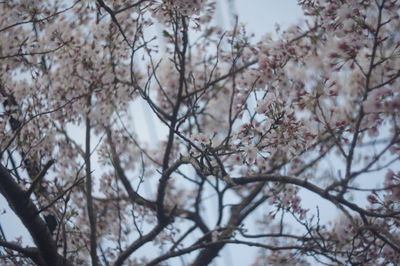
260,16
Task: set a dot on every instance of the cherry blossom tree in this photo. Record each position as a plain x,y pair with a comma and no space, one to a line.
252,125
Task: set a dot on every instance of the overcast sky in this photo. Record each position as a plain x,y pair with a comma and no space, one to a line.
262,15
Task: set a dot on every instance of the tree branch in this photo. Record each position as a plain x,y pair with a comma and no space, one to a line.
26,210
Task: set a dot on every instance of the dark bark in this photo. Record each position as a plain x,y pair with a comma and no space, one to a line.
26,210
207,255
